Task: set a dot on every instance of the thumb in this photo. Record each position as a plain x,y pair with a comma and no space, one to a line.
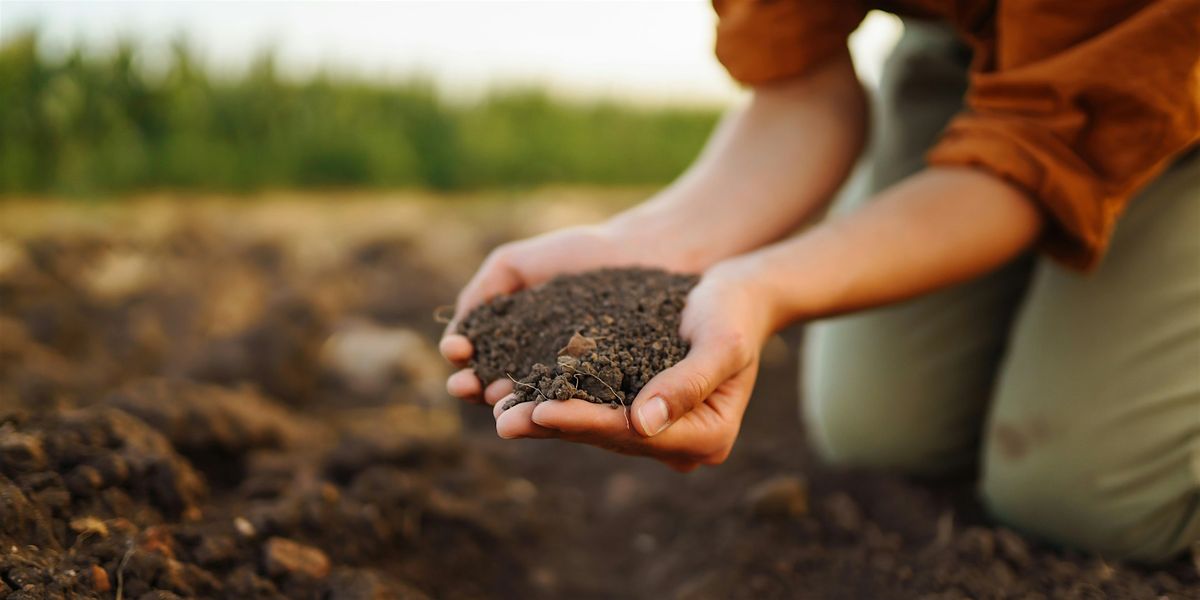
495,276
676,391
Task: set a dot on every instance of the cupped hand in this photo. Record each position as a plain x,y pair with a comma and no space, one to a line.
517,265
689,414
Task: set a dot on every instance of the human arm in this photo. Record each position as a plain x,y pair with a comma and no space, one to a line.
936,228
1073,115
769,166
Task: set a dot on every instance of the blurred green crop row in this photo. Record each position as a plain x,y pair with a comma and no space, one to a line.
99,124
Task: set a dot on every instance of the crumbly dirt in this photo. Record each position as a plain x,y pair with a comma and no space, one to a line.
97,502
598,336
214,412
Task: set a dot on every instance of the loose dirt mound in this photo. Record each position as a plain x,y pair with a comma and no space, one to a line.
96,500
174,422
213,412
599,336
79,486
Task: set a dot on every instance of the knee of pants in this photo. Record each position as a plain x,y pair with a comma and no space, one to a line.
1077,498
872,424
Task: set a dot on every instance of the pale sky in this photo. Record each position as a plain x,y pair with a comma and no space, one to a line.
650,50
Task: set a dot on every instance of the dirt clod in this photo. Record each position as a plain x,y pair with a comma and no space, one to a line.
99,578
1014,548
285,557
783,496
844,512
598,336
89,526
20,452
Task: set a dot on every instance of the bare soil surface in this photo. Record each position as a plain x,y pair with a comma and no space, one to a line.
203,406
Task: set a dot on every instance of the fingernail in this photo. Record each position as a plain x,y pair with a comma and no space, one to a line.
654,416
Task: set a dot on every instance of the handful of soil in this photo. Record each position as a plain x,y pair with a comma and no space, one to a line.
598,336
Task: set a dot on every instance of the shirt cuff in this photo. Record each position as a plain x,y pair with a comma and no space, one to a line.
1082,212
760,42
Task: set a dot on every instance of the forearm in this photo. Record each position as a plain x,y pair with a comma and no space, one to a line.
766,168
936,228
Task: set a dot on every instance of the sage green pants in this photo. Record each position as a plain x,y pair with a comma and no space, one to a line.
1078,395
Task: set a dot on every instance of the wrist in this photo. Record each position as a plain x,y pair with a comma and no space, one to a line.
658,233
749,277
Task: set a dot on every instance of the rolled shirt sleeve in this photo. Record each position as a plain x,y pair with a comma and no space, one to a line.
760,41
1081,106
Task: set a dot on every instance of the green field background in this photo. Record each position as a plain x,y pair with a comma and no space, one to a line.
88,124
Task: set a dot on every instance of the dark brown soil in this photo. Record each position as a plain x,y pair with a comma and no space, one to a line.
97,501
241,423
195,432
599,336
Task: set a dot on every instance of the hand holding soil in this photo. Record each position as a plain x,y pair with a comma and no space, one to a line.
582,345
520,265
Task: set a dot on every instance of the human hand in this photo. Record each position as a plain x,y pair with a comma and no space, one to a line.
689,414
518,265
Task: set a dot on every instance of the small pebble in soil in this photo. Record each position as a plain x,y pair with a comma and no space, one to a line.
244,527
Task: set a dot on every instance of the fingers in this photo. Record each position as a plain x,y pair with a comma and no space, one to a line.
456,348
677,390
497,390
600,425
516,422
683,448
575,416
494,277
464,384
491,280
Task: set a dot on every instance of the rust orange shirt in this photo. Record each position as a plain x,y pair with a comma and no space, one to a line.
1079,103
